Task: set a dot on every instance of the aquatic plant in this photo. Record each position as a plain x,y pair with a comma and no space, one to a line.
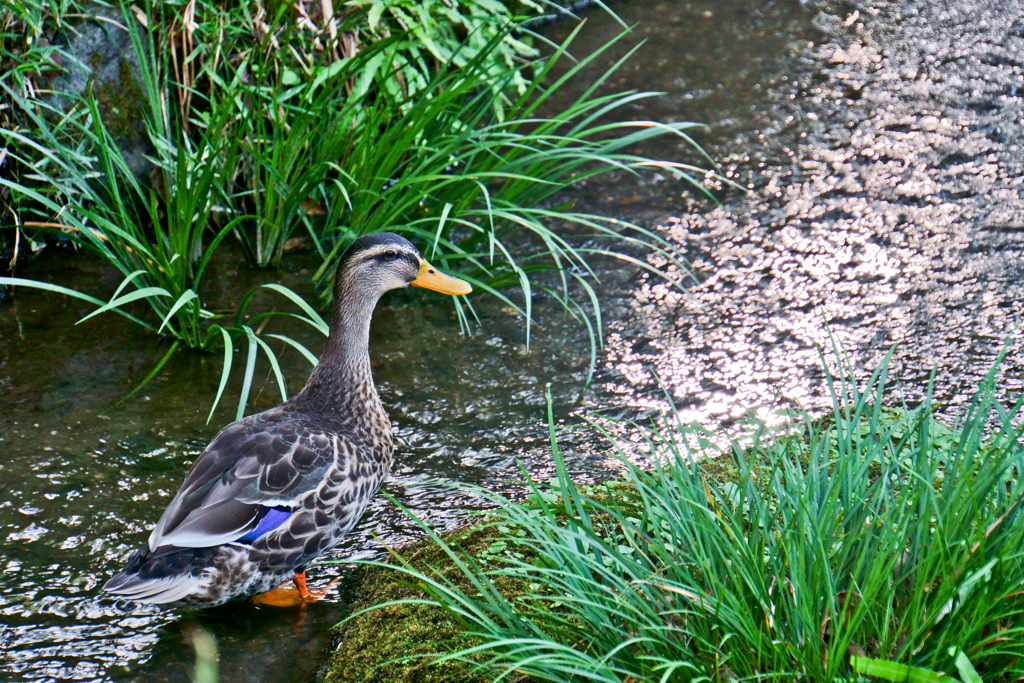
471,171
79,183
875,541
476,186
253,54
468,165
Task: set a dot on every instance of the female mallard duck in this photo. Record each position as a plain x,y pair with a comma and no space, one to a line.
275,490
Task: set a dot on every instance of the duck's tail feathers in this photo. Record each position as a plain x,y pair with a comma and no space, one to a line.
160,591
165,576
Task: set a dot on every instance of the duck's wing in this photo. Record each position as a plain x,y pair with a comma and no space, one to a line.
260,465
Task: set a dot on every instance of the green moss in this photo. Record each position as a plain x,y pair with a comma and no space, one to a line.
119,102
398,643
722,468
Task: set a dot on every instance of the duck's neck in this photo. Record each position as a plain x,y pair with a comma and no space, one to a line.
343,376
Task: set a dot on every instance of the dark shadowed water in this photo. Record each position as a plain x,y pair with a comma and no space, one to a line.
883,155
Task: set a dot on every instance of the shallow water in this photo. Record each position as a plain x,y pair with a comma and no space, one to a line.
883,145
883,202
82,487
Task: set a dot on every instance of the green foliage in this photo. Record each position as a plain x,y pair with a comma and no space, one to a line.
902,673
161,236
81,183
25,53
453,33
877,533
24,50
257,141
473,188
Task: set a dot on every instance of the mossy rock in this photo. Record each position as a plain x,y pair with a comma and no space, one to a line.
400,643
101,59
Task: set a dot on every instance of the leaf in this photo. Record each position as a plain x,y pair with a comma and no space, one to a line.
298,347
896,672
966,588
675,589
314,317
277,368
34,284
182,300
440,227
143,293
21,282
250,368
373,16
963,664
229,349
368,75
332,70
125,282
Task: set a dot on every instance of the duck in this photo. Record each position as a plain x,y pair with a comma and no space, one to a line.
276,490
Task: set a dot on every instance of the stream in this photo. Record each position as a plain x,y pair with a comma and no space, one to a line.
881,144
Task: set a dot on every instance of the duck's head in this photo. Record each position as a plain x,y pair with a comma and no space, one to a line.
377,263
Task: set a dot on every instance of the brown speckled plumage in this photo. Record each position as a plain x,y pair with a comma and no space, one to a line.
275,490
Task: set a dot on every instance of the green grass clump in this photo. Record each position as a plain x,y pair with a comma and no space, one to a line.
876,541
404,641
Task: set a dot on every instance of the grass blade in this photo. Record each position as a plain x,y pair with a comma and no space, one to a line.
225,371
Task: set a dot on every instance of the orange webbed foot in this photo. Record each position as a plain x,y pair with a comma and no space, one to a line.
295,595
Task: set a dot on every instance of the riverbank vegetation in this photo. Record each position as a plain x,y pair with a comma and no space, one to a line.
876,541
304,126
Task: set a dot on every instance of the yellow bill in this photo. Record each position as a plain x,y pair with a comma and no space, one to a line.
431,278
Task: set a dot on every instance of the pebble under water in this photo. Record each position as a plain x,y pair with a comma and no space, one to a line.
881,144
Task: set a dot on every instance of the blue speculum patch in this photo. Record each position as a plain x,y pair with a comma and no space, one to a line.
274,518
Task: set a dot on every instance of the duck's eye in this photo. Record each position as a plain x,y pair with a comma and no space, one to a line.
390,254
